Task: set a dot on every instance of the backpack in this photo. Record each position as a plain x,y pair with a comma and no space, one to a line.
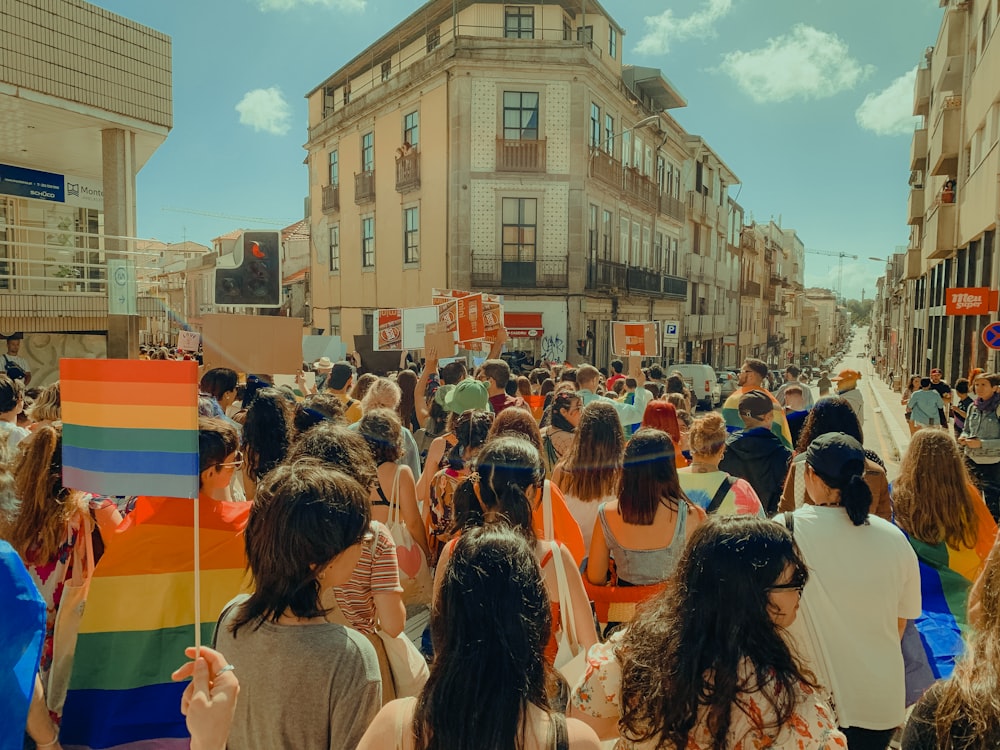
13,370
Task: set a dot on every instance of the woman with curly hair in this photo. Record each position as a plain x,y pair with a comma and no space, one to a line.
706,485
47,409
705,665
951,531
834,414
961,713
385,394
488,685
588,474
267,436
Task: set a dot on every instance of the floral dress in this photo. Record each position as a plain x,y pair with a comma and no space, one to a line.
811,727
50,575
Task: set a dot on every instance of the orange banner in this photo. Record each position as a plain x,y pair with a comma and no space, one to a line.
967,301
389,333
471,317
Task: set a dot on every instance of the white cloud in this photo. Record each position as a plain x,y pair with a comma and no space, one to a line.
665,29
806,63
349,5
890,111
265,109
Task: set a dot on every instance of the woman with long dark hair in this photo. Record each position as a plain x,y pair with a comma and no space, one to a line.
645,529
557,435
267,436
980,439
865,588
588,474
829,415
488,685
705,665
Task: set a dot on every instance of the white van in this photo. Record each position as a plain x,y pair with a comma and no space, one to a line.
702,381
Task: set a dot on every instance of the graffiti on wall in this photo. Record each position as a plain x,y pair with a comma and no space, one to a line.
553,348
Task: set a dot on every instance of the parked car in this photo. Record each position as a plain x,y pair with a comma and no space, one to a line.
728,383
703,382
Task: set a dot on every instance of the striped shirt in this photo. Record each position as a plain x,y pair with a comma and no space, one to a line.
375,573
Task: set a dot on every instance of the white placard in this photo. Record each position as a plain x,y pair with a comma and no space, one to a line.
415,320
189,341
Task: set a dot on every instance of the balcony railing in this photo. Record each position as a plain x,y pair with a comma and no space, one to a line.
643,280
674,286
751,289
364,187
606,168
606,274
642,189
408,172
543,273
520,155
331,198
672,207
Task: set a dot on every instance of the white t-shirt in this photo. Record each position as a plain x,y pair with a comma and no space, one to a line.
585,514
14,359
13,435
862,579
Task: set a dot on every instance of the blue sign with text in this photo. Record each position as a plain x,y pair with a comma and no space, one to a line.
31,183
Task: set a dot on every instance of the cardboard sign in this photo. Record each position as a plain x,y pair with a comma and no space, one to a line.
635,339
448,315
289,380
471,317
439,338
388,336
254,344
415,322
189,341
968,301
493,319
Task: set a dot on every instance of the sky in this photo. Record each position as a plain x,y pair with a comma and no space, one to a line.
808,101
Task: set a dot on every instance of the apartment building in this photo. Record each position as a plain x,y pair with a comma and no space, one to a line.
772,295
77,127
953,203
506,148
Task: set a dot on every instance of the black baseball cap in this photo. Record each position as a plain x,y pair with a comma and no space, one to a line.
836,456
756,404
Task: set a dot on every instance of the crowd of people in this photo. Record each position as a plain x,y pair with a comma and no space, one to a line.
595,561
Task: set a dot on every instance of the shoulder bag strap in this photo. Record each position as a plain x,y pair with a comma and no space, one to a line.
549,524
790,522
394,513
565,599
720,494
560,735
800,483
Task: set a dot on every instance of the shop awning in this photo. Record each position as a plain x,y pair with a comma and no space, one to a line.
521,325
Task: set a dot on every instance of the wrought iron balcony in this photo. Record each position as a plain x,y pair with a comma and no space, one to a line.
408,172
331,198
364,187
543,273
606,274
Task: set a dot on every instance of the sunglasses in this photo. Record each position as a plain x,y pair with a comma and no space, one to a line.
796,584
236,464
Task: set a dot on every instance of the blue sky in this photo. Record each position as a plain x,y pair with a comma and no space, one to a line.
808,101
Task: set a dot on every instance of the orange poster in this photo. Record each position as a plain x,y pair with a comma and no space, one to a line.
389,331
471,317
968,301
635,339
493,316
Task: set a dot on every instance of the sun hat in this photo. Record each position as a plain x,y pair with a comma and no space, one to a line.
323,363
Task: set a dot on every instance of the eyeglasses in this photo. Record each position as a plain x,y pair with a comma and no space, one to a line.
796,584
235,464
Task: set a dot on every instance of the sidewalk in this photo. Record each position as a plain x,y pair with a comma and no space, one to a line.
885,404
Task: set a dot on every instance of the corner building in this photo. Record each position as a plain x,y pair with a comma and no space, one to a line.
506,148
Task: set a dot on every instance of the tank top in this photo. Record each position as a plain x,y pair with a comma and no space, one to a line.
645,567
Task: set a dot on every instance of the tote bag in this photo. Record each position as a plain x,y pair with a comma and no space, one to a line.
70,612
414,573
571,658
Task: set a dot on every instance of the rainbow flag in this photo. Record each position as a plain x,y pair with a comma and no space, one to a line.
139,618
130,427
734,422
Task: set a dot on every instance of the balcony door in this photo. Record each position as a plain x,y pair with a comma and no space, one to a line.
519,238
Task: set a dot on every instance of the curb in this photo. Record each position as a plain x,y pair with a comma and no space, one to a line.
899,441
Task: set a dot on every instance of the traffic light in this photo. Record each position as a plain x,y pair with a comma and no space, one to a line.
255,278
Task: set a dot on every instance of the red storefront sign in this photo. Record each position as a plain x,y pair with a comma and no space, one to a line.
979,300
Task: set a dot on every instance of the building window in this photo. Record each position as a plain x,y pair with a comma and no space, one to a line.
411,235
585,34
368,152
636,243
433,39
567,31
647,261
609,134
387,70
595,125
335,248
606,241
520,229
659,257
329,98
519,23
593,237
623,238
613,42
411,128
520,115
334,168
626,148
368,323
347,93
368,242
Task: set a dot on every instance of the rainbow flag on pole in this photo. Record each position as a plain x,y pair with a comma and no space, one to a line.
140,617
130,427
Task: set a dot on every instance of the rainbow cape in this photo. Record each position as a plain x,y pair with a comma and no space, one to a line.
734,422
946,576
139,618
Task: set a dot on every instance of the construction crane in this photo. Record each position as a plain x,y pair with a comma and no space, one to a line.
840,265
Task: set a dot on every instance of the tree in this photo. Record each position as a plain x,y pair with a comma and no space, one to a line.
861,311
